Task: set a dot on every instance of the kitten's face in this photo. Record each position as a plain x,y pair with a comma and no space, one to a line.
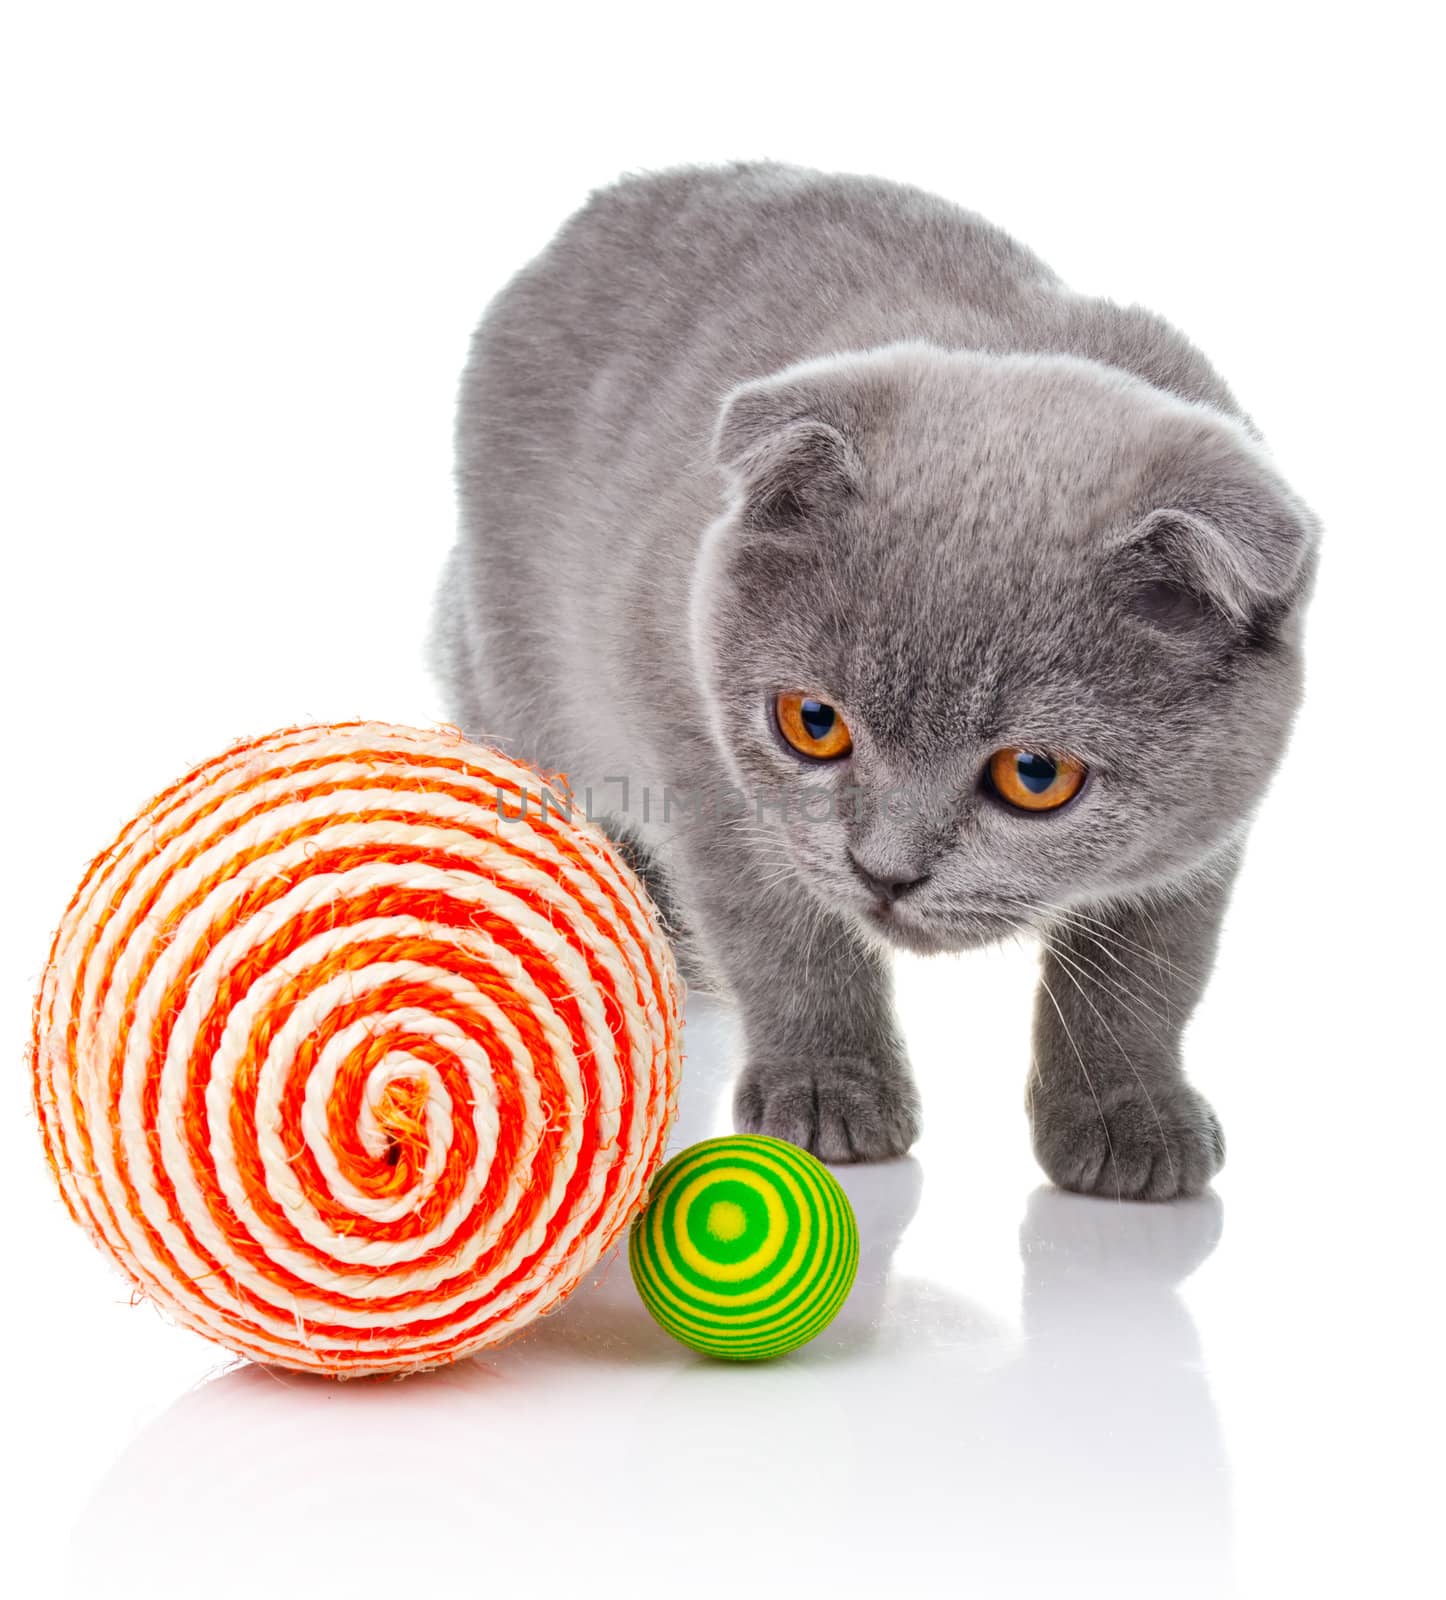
966,569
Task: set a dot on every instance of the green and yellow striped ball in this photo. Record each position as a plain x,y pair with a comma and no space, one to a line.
746,1249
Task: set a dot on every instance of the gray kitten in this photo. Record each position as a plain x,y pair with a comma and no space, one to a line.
883,591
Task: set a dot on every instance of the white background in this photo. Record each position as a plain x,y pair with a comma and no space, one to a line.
245,247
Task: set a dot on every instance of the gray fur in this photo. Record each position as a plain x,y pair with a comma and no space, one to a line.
752,429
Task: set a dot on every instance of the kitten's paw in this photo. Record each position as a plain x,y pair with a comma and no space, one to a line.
852,1110
1130,1145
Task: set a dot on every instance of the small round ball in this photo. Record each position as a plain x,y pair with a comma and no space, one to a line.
357,1048
746,1249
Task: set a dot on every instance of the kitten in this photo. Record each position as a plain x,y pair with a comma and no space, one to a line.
886,593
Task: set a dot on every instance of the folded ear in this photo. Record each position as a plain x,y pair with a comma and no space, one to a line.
1229,537
785,456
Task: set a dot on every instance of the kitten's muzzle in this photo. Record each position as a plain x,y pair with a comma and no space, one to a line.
886,888
933,934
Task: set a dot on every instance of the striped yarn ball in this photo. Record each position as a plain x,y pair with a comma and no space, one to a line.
355,1051
747,1248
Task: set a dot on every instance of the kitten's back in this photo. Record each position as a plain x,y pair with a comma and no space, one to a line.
595,379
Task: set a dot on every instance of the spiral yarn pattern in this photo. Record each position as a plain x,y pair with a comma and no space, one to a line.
747,1249
355,1050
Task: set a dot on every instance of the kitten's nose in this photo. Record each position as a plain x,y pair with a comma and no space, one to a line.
889,886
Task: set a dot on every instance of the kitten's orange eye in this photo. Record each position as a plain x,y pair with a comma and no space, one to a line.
1035,782
812,727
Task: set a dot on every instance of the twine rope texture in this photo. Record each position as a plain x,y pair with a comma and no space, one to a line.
347,1071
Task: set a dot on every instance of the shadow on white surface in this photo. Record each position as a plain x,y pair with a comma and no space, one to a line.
919,1440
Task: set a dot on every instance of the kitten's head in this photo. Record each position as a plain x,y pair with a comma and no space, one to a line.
987,634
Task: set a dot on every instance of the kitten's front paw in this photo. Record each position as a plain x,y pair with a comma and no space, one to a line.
1130,1145
851,1110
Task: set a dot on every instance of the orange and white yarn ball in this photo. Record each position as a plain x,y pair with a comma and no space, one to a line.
355,1051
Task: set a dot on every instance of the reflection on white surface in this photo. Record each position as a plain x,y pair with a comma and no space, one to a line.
921,1439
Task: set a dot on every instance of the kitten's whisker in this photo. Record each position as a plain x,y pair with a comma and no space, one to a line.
1135,1004
1082,940
1084,1072
1154,928
1109,931
1065,966
1093,937
1131,998
1159,954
